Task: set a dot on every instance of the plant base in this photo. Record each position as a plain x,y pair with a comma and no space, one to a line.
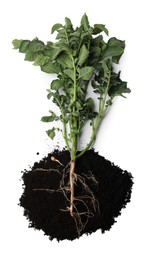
45,203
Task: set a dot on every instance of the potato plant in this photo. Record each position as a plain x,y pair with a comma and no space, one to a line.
81,60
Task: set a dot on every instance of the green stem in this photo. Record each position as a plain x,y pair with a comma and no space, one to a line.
75,82
65,135
64,126
98,119
73,121
73,128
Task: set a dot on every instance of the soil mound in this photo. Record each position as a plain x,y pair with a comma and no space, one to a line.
45,203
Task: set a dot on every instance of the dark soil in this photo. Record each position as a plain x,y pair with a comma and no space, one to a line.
45,209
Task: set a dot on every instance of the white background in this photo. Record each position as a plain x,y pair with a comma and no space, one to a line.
123,137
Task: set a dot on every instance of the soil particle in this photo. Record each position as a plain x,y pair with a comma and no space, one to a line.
45,206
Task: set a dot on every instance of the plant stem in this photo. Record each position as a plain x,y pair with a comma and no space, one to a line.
73,152
65,135
98,121
99,118
64,126
73,128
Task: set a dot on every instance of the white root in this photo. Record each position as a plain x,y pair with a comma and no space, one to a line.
72,170
67,187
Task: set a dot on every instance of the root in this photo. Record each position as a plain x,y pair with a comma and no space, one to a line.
72,170
47,170
82,207
80,217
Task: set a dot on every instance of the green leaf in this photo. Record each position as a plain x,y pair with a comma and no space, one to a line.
54,52
78,105
69,73
50,67
31,56
98,28
85,23
65,60
116,42
95,52
50,118
41,60
24,46
61,35
112,51
109,102
16,43
86,73
90,102
118,89
64,47
51,133
36,45
56,27
48,52
83,55
56,84
50,94
106,68
47,119
68,24
97,41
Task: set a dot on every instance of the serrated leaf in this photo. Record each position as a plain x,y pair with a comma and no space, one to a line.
41,60
56,27
85,23
56,84
50,67
24,46
69,73
83,55
16,43
86,73
51,133
98,28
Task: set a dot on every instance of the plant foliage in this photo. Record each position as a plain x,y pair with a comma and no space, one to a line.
81,59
